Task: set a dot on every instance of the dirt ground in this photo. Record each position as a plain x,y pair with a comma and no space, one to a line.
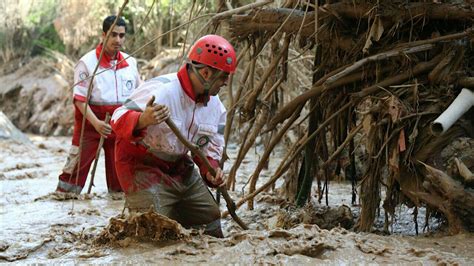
39,226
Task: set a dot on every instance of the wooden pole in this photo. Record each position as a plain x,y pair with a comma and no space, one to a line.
97,155
195,150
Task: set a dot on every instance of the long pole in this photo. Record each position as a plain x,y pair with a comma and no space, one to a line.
97,154
194,150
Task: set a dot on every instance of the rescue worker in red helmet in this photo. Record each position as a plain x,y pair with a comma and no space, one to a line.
154,167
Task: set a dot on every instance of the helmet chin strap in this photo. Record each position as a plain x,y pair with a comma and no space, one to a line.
207,84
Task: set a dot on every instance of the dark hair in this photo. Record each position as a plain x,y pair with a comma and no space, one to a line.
108,21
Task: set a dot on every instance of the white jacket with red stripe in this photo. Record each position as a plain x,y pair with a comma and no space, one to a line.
201,125
111,86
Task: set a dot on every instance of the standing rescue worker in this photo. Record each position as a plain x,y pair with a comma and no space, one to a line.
153,166
115,81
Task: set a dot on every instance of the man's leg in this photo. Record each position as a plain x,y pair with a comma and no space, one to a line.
198,208
113,183
67,180
188,202
142,201
162,197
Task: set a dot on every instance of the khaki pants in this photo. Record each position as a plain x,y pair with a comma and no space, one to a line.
189,202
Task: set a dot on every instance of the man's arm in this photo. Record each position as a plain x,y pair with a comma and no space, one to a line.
130,121
81,79
212,181
100,126
213,152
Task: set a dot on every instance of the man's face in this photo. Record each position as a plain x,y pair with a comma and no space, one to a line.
221,81
116,40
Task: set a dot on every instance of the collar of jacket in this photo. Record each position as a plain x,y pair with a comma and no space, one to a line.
105,61
185,82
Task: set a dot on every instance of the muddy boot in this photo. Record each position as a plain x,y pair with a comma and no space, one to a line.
215,233
214,229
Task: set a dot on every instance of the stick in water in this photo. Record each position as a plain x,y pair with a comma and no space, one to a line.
222,190
97,154
195,150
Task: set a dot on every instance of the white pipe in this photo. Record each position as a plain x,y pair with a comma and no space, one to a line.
463,102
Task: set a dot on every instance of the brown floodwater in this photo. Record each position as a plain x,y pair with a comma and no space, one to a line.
38,226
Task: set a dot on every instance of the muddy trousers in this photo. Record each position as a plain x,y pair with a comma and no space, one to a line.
188,202
68,181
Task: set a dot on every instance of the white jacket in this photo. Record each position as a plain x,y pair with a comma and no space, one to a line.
201,125
111,86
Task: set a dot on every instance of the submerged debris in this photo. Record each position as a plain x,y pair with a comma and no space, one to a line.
307,240
370,246
324,217
21,250
148,226
62,196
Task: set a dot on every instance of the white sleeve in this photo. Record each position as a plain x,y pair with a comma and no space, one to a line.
81,81
137,100
216,141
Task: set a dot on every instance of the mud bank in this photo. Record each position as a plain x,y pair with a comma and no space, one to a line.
36,96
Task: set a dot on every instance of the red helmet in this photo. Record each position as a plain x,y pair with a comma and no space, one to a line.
214,51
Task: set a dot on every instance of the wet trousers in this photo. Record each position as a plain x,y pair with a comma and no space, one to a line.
67,179
188,201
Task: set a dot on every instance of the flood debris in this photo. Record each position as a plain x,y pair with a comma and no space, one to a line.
323,216
148,226
21,249
450,198
458,158
307,240
63,196
369,246
380,75
311,247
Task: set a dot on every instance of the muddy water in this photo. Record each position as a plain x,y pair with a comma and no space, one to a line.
38,226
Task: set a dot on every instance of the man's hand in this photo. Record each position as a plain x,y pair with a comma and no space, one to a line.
100,126
103,128
218,180
154,114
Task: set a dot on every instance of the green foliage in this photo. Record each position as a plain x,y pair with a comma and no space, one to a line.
40,20
47,38
13,43
73,27
30,30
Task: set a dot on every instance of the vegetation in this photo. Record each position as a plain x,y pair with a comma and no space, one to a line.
72,27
